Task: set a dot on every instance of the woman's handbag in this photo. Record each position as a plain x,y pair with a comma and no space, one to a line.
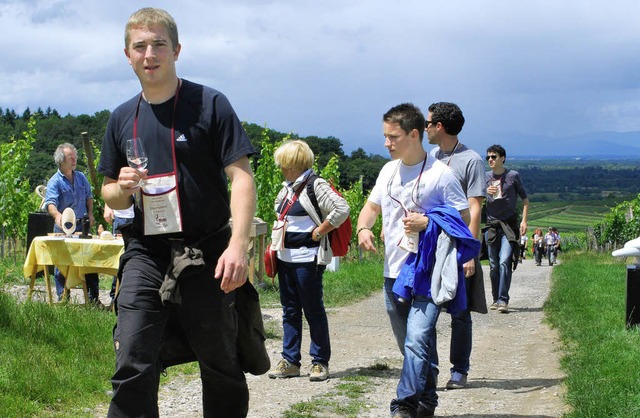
270,254
270,262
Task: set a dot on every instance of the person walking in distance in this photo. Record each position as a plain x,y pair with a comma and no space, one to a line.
551,244
183,264
408,187
502,230
538,245
444,123
117,219
523,246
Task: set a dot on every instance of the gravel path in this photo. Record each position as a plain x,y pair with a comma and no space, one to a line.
515,362
514,365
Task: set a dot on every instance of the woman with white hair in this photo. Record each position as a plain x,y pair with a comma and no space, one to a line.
301,238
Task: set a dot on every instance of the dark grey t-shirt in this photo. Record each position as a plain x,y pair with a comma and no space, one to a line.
511,186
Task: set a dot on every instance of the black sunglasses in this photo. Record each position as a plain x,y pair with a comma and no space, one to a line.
429,122
491,157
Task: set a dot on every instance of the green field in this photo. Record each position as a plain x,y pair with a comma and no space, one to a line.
568,216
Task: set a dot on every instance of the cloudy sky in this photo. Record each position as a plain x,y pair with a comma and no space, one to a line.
331,68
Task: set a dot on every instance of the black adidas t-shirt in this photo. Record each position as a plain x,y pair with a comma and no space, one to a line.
208,137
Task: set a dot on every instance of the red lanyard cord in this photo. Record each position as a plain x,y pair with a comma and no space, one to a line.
413,191
173,120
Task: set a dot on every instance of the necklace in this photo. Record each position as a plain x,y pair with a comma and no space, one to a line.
440,152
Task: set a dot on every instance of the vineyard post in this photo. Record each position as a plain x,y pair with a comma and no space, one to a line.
88,151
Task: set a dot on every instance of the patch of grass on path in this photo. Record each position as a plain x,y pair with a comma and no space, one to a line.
602,357
346,400
57,361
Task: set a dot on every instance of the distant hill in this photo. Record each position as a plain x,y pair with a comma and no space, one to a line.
595,144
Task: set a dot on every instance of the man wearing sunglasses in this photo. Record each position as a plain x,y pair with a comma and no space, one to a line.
502,231
407,187
444,122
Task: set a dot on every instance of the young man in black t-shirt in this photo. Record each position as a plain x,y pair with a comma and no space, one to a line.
195,144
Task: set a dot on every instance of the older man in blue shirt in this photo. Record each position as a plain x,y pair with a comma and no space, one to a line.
69,188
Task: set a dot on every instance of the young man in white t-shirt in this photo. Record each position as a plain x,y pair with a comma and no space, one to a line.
406,188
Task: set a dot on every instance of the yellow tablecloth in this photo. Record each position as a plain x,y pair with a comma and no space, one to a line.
74,257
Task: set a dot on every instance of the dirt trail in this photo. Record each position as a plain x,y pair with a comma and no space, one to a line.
514,365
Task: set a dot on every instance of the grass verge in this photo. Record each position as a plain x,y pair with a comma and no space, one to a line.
602,357
57,360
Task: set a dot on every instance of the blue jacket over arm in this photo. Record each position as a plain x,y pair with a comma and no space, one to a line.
416,275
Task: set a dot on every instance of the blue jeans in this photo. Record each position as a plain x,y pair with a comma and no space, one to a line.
460,345
413,325
500,264
301,291
551,254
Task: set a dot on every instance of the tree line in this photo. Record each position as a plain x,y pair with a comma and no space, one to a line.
29,140
588,181
54,129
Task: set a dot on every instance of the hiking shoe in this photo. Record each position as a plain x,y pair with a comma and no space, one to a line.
319,372
494,306
425,411
503,307
458,380
284,369
402,412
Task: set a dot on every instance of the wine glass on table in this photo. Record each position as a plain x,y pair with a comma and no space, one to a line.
136,155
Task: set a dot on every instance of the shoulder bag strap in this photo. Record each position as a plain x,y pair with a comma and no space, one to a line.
292,201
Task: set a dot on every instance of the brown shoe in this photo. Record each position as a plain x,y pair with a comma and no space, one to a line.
284,369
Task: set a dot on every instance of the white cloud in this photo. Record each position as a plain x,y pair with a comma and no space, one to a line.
332,68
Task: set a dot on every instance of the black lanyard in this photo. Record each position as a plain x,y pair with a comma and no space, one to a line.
451,155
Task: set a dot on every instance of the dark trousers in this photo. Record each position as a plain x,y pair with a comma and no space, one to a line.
117,223
539,250
206,325
301,292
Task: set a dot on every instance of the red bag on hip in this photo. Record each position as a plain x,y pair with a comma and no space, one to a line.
270,262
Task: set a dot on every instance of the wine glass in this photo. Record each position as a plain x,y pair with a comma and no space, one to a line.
136,155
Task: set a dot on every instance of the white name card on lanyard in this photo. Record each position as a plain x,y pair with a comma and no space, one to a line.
160,197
